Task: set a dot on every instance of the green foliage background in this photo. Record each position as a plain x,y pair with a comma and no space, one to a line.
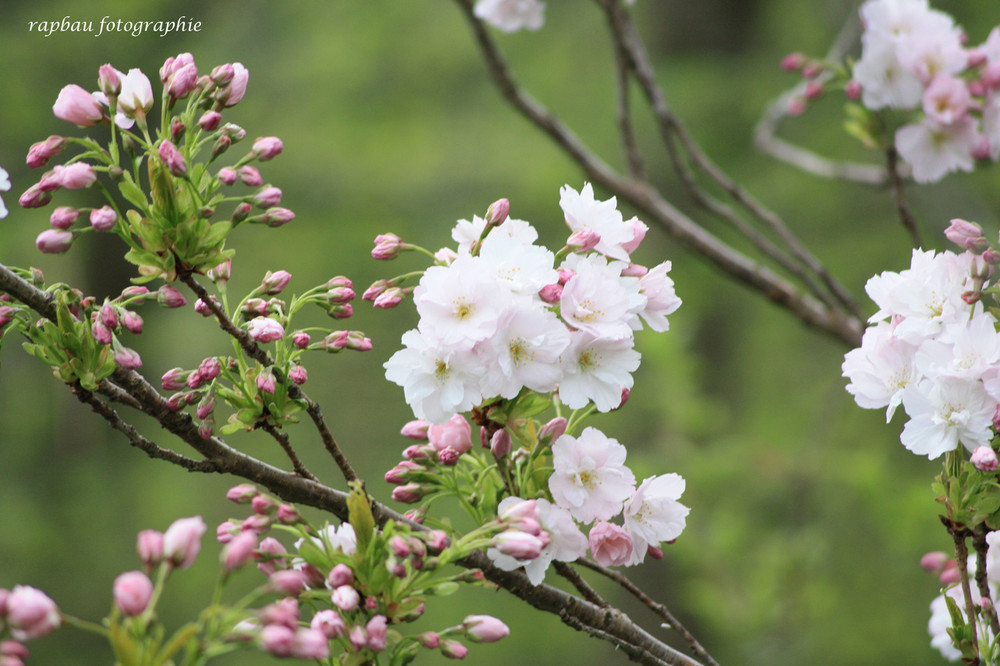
808,518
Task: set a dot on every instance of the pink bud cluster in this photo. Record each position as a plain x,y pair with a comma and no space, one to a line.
28,613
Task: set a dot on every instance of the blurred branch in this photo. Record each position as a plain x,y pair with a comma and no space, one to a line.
903,208
606,623
839,321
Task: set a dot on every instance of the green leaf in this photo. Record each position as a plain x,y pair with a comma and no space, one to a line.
133,194
360,515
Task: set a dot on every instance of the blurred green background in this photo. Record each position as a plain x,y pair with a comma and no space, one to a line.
808,518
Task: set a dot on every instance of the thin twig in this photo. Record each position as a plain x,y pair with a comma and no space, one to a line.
150,448
981,547
659,609
841,325
253,350
959,533
634,652
286,446
626,132
902,207
801,262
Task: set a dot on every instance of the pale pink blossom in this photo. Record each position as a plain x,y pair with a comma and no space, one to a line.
524,352
566,542
456,433
880,369
946,99
596,369
934,150
653,513
136,97
596,299
590,479
30,613
265,329
484,628
54,241
985,459
661,299
944,412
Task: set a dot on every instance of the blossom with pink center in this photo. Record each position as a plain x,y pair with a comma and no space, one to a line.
590,479
132,592
610,545
583,211
946,99
511,15
77,106
653,513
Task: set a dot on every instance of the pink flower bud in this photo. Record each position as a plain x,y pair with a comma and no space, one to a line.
484,628
238,550
249,176
456,433
429,639
265,329
234,132
500,443
985,459
793,62
961,232
275,282
267,147
415,430
298,375
75,176
149,545
310,644
172,158
565,275
288,514
170,297
267,197
346,598
63,217
183,81
104,218
14,652
34,197
77,106
132,592
100,333
583,240
340,294
610,544
552,430
277,216
796,106
340,575
226,531
31,613
277,639
109,80
853,90
389,298
174,379
497,213
329,622
372,292
408,493
388,246
266,382
376,630
453,649
41,152
289,582
813,90
269,551
182,541
236,85
934,562
262,505
639,230
358,638
132,322
54,241
950,574
209,121
242,493
227,175
634,270
551,293
519,545
128,359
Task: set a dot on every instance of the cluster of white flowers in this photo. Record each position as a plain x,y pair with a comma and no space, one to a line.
497,316
935,350
591,484
913,57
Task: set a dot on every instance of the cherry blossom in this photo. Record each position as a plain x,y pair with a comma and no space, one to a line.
653,513
590,479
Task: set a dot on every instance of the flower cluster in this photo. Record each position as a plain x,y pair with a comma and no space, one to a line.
914,59
498,317
170,233
26,613
933,348
507,330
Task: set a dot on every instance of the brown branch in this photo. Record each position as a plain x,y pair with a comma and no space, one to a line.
584,588
841,325
659,609
800,262
959,533
626,132
611,624
981,547
286,446
253,350
150,448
